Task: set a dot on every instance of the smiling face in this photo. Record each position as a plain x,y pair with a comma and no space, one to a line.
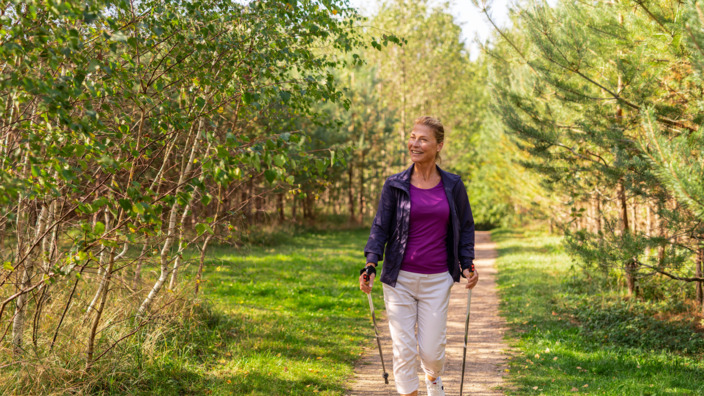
422,144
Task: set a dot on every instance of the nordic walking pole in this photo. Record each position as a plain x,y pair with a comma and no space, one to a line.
367,275
466,331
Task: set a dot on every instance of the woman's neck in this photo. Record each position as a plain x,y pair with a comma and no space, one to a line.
425,171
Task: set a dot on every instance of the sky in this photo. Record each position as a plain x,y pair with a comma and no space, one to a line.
475,26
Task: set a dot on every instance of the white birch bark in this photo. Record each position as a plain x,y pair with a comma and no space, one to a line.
101,270
171,230
18,322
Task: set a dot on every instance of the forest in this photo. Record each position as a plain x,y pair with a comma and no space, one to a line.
143,141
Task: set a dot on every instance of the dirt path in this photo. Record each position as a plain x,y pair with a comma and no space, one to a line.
485,357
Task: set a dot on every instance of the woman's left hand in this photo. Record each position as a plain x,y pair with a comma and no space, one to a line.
472,278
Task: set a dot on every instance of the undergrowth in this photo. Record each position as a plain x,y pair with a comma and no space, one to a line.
573,334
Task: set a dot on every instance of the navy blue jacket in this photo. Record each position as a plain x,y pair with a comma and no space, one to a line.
391,224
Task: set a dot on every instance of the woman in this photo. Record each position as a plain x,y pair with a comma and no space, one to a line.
425,227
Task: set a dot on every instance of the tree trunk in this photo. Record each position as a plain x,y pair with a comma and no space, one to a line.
661,233
350,194
280,206
179,253
171,229
259,208
18,322
138,270
99,312
630,265
698,273
199,275
597,213
362,191
247,199
336,199
23,276
634,216
101,269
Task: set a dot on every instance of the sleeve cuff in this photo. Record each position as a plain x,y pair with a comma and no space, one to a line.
373,258
467,265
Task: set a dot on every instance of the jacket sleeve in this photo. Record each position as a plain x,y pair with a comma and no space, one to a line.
379,234
466,243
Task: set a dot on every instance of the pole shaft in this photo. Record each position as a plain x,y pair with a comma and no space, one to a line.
466,332
378,342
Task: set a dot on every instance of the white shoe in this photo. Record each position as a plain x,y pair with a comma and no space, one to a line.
435,388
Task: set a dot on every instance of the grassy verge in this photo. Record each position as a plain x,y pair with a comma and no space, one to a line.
575,337
283,319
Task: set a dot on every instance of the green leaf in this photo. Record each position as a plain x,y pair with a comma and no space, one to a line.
201,228
126,204
8,266
99,228
206,199
270,175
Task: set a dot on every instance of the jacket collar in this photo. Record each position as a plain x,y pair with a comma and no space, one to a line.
403,180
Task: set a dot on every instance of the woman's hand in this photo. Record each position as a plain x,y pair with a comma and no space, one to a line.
364,285
472,278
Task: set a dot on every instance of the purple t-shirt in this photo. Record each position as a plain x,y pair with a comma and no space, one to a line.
426,252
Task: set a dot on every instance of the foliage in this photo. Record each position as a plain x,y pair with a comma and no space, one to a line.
572,334
133,130
600,99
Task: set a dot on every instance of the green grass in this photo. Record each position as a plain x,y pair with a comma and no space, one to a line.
285,318
573,336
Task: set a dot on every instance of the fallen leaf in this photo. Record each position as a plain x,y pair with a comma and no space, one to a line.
585,386
555,358
535,388
574,390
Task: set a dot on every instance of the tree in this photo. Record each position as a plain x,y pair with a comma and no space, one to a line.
573,84
121,120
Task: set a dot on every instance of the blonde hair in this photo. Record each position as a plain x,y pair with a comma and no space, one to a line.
437,128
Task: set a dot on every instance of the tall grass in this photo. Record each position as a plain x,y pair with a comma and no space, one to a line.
281,315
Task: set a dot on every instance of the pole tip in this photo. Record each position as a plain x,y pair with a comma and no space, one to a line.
386,378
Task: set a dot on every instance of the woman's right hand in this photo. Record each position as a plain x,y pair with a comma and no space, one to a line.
363,284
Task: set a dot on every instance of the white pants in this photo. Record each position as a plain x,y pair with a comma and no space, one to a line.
422,300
